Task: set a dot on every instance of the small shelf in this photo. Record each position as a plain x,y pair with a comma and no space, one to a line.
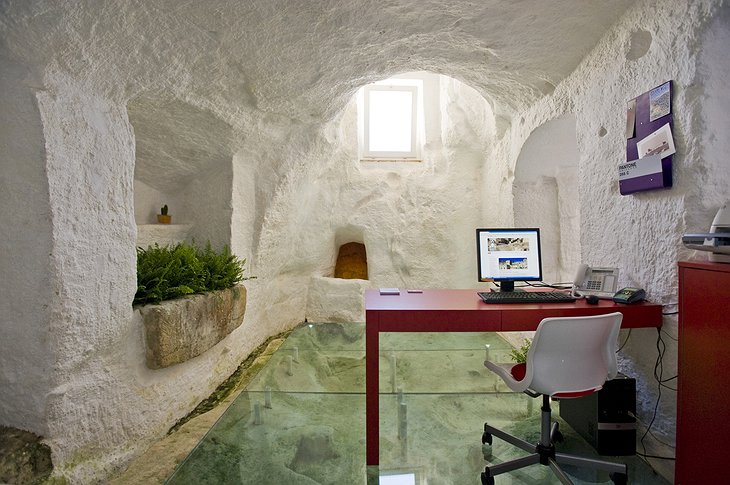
162,234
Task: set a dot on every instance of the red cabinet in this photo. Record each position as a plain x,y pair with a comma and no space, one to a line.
703,400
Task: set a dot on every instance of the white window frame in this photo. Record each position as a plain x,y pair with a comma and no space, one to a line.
413,153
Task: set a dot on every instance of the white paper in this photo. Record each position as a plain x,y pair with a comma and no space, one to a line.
658,143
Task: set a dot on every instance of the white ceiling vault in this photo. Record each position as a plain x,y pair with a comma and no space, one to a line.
305,58
197,75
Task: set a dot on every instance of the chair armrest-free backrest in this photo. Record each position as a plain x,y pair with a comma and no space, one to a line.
573,354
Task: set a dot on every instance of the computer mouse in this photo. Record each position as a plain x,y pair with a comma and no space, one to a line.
592,300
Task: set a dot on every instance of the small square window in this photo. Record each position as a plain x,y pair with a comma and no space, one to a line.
390,121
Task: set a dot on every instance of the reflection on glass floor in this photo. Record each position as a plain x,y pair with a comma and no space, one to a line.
301,420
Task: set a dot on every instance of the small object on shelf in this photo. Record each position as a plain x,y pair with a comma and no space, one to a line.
162,217
389,291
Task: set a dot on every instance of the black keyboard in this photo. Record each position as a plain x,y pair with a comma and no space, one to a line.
526,297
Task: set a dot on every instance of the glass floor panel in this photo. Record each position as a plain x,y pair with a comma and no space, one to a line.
344,371
442,440
351,336
303,421
327,336
302,439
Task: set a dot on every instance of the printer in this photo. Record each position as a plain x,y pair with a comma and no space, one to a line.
717,241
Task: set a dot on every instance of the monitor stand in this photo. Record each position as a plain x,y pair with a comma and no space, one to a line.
506,286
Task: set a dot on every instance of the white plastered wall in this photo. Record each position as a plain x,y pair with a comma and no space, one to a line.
80,369
26,355
415,219
641,233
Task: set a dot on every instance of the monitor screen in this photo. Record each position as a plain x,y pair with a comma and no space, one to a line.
509,255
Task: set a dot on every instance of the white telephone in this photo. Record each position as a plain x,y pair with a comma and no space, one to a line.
600,282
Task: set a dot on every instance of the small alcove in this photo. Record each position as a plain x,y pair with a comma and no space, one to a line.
352,262
338,297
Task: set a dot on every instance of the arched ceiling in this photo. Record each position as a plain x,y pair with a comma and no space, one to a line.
304,58
200,77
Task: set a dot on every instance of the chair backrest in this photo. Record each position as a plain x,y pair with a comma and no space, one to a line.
573,354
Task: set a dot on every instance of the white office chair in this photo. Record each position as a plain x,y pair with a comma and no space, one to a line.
569,357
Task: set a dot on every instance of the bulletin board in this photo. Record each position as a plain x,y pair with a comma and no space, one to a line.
650,144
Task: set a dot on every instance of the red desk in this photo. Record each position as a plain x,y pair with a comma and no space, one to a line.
464,311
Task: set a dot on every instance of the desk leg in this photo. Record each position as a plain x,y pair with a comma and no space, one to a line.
372,389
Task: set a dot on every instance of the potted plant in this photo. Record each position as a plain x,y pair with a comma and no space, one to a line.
162,217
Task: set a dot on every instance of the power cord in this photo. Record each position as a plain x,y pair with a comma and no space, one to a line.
670,337
625,341
542,284
658,375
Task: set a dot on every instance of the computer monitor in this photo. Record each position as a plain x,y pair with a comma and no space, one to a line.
509,255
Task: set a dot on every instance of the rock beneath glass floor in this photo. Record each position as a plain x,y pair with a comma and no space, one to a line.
315,446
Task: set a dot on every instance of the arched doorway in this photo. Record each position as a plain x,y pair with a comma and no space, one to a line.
545,195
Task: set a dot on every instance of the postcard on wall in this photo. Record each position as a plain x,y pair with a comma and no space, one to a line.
630,118
658,143
660,101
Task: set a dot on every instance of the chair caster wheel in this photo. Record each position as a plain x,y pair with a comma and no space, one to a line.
619,478
555,435
487,480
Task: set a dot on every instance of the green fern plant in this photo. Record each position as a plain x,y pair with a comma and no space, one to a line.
520,355
165,273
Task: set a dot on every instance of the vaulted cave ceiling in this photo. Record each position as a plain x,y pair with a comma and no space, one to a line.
302,59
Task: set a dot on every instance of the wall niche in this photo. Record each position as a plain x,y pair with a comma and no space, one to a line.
183,159
352,262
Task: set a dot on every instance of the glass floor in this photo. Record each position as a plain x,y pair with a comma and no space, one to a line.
301,420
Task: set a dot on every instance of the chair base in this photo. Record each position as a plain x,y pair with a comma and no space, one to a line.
544,453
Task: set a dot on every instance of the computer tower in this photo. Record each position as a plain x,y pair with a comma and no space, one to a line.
606,419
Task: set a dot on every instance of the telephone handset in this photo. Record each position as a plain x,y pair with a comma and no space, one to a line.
601,282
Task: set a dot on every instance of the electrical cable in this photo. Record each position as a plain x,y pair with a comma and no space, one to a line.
644,455
662,441
625,341
542,284
668,335
658,374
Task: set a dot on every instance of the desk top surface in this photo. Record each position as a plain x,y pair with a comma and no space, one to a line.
461,300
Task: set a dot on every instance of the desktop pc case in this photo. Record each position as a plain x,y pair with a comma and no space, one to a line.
606,419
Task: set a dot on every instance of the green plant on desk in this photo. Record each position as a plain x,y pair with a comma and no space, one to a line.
520,355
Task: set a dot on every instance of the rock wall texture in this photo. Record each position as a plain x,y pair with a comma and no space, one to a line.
243,113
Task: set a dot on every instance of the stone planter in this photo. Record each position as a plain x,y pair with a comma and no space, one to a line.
178,330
